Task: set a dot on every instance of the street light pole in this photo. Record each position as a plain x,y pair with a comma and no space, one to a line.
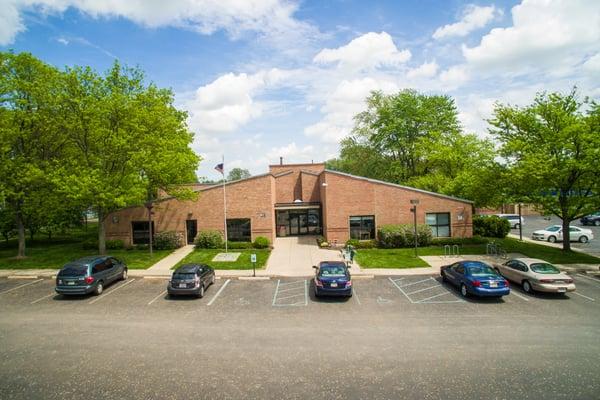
149,207
415,202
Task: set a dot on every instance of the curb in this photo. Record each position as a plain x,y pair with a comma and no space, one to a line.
254,278
22,277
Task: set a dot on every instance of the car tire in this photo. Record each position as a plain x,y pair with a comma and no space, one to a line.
552,239
201,291
317,295
517,226
444,279
597,222
463,290
99,288
527,287
583,239
124,274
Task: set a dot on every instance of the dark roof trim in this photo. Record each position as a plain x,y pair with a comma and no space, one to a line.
295,165
362,178
305,171
284,173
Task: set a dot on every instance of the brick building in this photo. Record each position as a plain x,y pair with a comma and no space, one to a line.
296,199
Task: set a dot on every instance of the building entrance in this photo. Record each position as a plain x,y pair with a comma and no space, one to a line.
298,222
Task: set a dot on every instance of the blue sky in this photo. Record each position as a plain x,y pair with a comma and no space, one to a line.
262,79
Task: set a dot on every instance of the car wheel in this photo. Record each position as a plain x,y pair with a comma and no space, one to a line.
527,287
444,279
124,274
463,290
583,239
597,222
517,226
317,295
201,291
99,289
552,239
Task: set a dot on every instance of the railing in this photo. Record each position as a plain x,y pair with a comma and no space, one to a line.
451,251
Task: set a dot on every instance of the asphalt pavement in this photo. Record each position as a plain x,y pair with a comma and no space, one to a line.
397,337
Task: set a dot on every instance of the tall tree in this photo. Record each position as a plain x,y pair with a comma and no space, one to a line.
552,148
238,173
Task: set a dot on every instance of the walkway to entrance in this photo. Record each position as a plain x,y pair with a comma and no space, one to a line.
295,256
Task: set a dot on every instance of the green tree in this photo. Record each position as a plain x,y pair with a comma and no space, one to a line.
238,173
552,148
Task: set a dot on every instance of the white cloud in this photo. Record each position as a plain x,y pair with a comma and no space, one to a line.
10,22
592,65
425,70
474,17
544,33
454,76
370,50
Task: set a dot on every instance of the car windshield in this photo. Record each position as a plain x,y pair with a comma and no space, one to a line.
480,270
184,275
544,268
332,270
553,228
74,270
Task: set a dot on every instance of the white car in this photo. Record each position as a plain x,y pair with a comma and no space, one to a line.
554,233
514,219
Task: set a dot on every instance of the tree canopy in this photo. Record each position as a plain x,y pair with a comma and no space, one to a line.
238,173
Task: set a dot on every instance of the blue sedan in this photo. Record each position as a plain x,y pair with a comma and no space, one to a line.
475,277
332,278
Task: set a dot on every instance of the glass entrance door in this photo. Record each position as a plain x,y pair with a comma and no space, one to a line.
298,222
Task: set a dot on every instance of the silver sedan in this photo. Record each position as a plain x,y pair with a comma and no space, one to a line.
536,275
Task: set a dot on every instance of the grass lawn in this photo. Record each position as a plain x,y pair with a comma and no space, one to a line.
53,255
205,256
405,258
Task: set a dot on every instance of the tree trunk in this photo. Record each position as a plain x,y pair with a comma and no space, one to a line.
101,234
566,233
21,235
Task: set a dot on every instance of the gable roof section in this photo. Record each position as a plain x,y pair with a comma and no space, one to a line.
362,178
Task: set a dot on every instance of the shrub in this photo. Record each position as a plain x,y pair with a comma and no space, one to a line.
396,236
361,244
324,244
490,226
239,245
320,239
209,240
167,240
261,242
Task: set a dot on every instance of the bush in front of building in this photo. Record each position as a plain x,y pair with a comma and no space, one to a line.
490,226
361,244
403,235
167,240
209,240
261,242
92,244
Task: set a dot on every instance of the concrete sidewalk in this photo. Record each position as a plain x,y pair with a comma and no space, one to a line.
164,265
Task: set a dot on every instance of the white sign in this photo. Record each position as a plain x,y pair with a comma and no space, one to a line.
253,258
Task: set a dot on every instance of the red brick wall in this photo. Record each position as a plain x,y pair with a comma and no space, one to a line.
310,187
346,196
290,186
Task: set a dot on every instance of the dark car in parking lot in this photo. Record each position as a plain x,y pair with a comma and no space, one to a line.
476,278
191,279
332,278
89,275
592,219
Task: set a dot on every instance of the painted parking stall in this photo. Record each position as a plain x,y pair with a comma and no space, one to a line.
425,290
291,294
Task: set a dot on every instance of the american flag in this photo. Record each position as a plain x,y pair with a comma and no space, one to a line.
219,167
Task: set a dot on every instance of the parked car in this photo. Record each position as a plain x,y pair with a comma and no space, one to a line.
534,274
554,233
592,219
514,219
475,277
332,278
89,275
191,279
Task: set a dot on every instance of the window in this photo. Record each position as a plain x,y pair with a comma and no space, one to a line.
238,230
439,223
140,232
362,227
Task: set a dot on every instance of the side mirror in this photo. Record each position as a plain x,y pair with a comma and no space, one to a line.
315,267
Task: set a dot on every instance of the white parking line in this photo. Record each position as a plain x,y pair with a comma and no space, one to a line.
588,279
433,297
219,292
402,291
291,297
298,289
518,295
422,290
111,291
45,297
355,295
414,283
584,296
157,297
20,286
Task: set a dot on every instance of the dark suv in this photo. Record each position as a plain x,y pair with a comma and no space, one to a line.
592,219
191,279
89,275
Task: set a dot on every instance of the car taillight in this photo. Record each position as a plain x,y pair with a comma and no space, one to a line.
506,283
477,283
89,279
568,280
318,283
546,280
349,283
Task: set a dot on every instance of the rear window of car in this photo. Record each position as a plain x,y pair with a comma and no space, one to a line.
73,270
480,270
332,270
544,268
186,275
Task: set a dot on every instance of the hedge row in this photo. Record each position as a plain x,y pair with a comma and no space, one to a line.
403,235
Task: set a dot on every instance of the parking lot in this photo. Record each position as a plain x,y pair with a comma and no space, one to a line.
397,337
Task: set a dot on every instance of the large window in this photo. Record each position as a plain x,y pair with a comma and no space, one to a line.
439,223
362,227
238,230
140,232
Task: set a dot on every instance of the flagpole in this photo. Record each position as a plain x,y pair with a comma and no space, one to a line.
224,204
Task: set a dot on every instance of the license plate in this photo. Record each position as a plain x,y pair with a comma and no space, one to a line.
70,283
493,284
333,284
182,285
562,290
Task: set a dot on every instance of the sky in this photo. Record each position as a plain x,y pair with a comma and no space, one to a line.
263,79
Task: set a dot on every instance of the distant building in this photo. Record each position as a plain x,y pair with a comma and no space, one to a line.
292,200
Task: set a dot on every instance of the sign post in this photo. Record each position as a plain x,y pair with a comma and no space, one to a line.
253,261
415,202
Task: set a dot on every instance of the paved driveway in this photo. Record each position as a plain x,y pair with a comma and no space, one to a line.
295,256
